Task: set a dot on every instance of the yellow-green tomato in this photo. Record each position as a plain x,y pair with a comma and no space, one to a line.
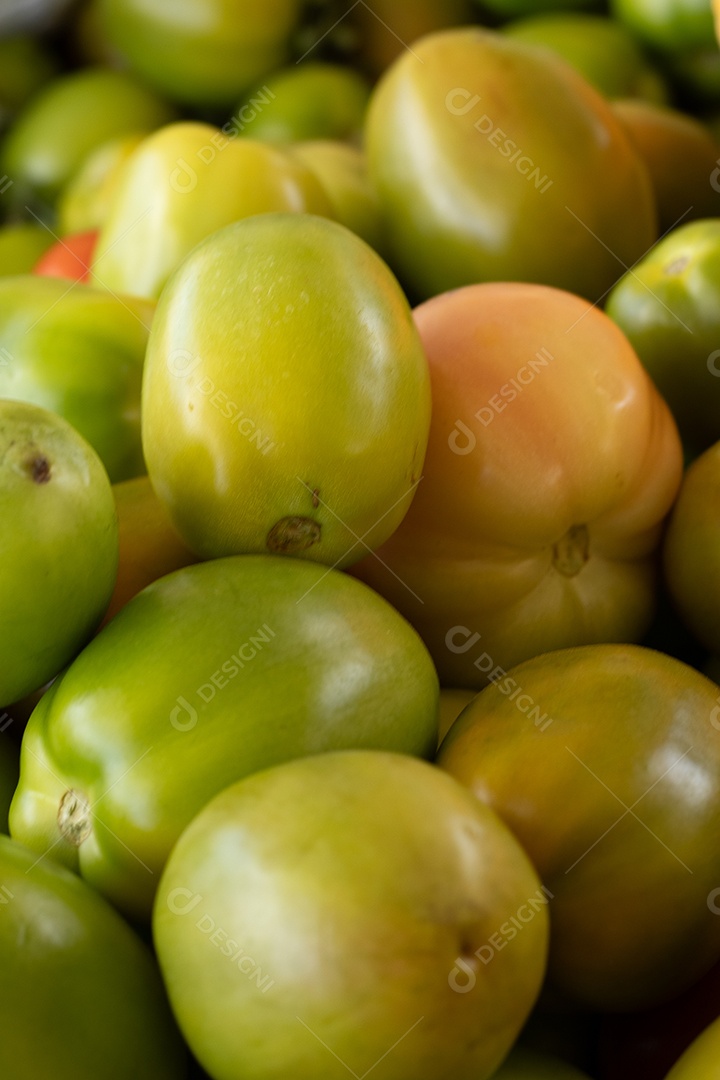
601,49
85,200
201,52
21,246
183,183
58,546
84,995
78,351
667,306
286,397
691,551
700,1060
335,916
496,161
342,171
211,673
307,101
69,118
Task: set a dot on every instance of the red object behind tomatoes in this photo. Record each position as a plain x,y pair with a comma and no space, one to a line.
69,258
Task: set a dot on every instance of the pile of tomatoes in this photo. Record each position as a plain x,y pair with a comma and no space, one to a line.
360,547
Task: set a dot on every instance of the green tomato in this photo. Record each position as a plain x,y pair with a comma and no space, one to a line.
700,1060
85,998
306,101
85,200
201,52
494,162
286,396
691,552
79,352
668,308
183,183
603,51
69,118
9,770
58,546
21,246
342,171
338,915
669,25
209,674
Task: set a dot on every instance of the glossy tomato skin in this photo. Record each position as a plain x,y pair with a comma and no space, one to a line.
183,183
211,673
211,50
69,258
496,161
286,397
79,352
67,120
617,807
84,201
551,465
87,998
668,309
691,550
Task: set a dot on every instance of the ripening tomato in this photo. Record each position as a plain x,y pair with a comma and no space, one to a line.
69,258
551,465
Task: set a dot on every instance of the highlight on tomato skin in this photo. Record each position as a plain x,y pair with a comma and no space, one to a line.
70,257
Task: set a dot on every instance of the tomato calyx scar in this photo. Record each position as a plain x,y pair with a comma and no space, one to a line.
73,817
572,551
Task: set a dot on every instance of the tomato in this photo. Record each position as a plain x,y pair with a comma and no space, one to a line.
21,246
69,118
211,673
486,157
699,1062
69,257
149,545
79,352
183,183
306,101
286,397
602,50
86,198
87,999
314,913
671,25
342,171
58,547
692,549
203,52
618,807
667,306
9,771
527,1065
663,137
551,465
